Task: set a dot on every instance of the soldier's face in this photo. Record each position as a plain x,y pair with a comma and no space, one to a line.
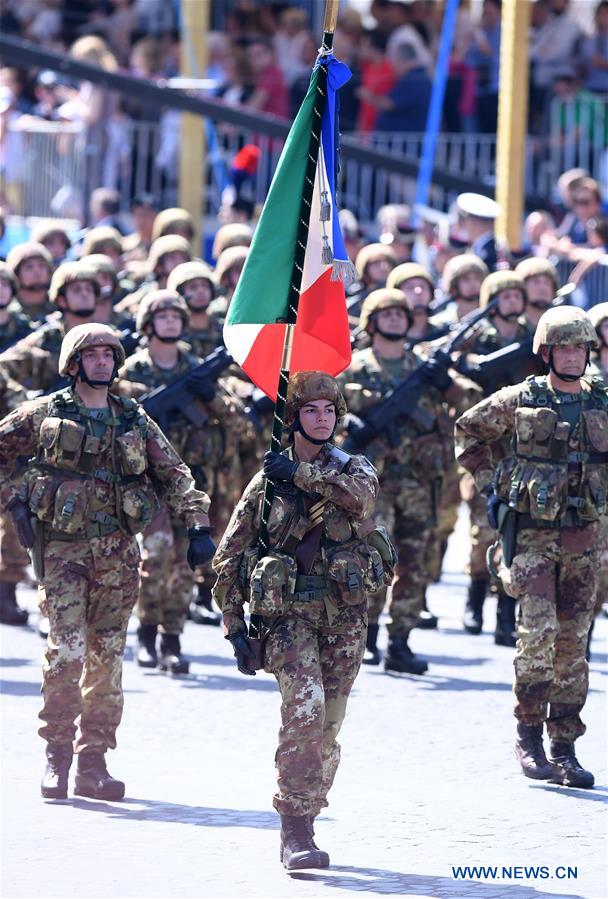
570,359
469,286
6,292
97,361
56,245
114,254
418,294
318,418
377,271
106,283
168,323
80,295
34,273
540,287
392,321
171,260
510,303
197,294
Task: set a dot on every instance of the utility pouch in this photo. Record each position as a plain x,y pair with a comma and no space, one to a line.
132,453
596,425
380,542
138,506
348,572
71,506
42,497
61,442
273,578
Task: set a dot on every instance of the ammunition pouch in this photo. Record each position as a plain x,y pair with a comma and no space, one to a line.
272,580
379,542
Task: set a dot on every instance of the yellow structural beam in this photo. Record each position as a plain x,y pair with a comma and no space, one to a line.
512,120
193,63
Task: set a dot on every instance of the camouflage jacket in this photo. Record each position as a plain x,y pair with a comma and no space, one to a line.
555,471
34,360
421,455
12,395
350,493
484,338
16,328
37,314
204,342
79,467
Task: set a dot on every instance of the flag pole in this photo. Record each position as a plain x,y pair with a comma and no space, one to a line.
329,27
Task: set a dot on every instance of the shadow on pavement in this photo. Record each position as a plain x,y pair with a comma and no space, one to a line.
431,681
377,880
15,663
19,688
456,661
227,661
597,794
169,813
223,682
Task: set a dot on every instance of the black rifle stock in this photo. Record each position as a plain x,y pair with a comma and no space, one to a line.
166,401
402,400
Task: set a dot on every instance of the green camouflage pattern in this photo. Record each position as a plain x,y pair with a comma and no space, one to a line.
34,360
166,579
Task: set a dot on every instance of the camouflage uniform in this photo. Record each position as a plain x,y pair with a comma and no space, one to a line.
92,487
19,254
319,619
13,558
599,315
559,499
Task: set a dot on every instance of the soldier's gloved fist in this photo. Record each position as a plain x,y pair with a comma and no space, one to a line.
278,467
201,547
201,387
435,371
20,514
242,652
493,504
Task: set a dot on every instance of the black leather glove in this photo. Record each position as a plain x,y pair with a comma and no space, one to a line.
493,504
435,371
278,467
201,547
242,652
20,514
200,386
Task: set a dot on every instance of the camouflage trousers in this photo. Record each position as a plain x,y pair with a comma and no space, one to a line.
447,515
88,593
482,536
602,586
166,579
315,665
554,577
405,509
13,558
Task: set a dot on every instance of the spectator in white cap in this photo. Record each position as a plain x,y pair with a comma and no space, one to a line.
477,215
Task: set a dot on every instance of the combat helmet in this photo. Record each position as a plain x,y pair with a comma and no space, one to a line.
29,249
67,273
230,257
536,265
562,326
405,272
168,243
497,281
157,301
383,298
235,234
99,262
168,220
98,239
188,271
88,335
7,274
373,252
49,228
307,386
598,315
458,266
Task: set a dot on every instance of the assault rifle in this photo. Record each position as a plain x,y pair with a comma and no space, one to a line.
166,401
402,401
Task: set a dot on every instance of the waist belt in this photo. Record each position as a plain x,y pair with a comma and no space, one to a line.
100,525
309,587
526,521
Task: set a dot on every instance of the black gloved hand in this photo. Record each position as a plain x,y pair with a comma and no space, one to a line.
493,504
242,652
201,547
20,514
278,467
435,371
200,386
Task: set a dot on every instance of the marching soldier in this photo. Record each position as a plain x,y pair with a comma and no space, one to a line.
165,254
542,283
410,472
14,324
310,589
373,263
13,558
547,497
195,282
32,266
417,284
96,464
461,281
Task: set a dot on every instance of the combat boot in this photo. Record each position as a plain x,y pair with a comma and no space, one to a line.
147,656
372,653
201,610
297,847
530,752
426,620
569,773
10,612
472,620
54,783
171,658
401,658
93,779
504,634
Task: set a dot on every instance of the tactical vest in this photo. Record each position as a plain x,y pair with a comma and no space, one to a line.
556,473
77,477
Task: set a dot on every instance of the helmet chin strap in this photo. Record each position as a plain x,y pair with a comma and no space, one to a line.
393,337
165,339
566,376
81,313
297,426
511,317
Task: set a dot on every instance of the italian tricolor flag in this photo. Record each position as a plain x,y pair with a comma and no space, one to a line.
254,331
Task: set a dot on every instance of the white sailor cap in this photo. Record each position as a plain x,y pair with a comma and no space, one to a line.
477,205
